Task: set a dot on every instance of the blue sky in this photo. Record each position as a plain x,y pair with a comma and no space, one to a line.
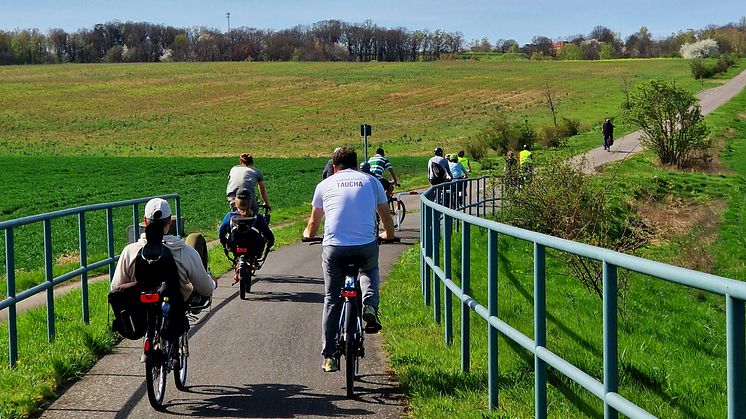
517,19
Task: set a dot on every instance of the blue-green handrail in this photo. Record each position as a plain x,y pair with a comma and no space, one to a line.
434,205
50,281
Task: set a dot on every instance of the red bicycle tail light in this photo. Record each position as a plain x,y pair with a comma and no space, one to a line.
146,346
242,250
349,293
149,297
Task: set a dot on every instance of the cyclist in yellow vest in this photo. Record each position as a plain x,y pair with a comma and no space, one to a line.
464,161
524,157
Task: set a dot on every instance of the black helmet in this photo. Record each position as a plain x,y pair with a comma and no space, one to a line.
365,167
438,151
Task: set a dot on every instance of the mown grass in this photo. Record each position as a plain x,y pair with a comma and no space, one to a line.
295,109
671,338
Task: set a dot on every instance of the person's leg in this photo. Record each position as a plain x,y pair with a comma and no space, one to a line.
198,243
333,282
369,275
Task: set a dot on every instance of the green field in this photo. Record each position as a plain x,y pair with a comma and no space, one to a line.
671,338
294,109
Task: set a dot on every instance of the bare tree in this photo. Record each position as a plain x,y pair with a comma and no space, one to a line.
550,101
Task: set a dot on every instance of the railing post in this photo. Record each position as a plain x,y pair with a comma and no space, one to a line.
49,276
478,203
484,197
610,335
83,264
110,240
10,274
492,373
135,222
448,302
436,262
471,196
540,332
428,252
466,288
422,246
734,320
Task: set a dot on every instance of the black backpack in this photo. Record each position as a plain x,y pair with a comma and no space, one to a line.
244,234
439,174
155,271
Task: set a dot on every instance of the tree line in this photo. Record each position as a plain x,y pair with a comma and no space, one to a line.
330,40
603,43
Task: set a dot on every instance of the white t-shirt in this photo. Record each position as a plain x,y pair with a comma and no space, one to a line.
349,200
243,176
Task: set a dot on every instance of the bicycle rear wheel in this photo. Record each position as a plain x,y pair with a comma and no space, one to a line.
401,210
244,277
350,322
155,374
182,356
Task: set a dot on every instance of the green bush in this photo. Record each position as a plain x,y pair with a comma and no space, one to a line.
671,120
476,148
552,136
571,126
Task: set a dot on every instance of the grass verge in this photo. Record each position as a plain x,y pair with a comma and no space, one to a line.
671,338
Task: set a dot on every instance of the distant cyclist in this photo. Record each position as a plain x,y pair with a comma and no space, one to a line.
464,160
457,169
378,166
245,175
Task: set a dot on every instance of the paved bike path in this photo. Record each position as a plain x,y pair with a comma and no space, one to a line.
709,100
255,358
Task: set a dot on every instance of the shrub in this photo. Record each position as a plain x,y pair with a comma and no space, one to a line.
698,68
527,135
552,136
572,126
502,133
476,148
671,121
561,201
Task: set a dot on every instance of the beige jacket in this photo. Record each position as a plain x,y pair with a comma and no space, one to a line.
192,274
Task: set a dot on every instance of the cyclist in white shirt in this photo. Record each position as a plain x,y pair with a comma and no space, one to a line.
348,201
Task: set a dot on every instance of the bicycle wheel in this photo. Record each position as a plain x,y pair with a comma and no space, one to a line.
350,347
401,210
182,356
244,278
155,374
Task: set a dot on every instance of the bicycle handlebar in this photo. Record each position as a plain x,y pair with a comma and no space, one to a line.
320,239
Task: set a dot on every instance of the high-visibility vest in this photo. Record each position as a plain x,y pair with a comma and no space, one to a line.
524,157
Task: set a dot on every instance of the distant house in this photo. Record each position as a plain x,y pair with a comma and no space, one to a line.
558,45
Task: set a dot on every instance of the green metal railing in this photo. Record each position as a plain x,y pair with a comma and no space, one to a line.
50,281
437,221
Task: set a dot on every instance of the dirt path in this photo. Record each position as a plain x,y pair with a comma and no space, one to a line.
629,144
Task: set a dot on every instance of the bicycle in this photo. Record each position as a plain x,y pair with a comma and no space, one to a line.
164,354
350,336
245,259
397,209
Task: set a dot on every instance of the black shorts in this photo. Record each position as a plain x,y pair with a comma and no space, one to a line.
385,183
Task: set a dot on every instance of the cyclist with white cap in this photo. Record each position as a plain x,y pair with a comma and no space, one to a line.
191,263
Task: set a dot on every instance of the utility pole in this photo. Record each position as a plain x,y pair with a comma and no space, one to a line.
230,39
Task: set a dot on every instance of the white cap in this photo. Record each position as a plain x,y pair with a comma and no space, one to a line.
157,209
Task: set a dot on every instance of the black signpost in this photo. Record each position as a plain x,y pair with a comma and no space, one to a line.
365,132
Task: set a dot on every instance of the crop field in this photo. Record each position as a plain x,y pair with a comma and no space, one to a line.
41,184
294,109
